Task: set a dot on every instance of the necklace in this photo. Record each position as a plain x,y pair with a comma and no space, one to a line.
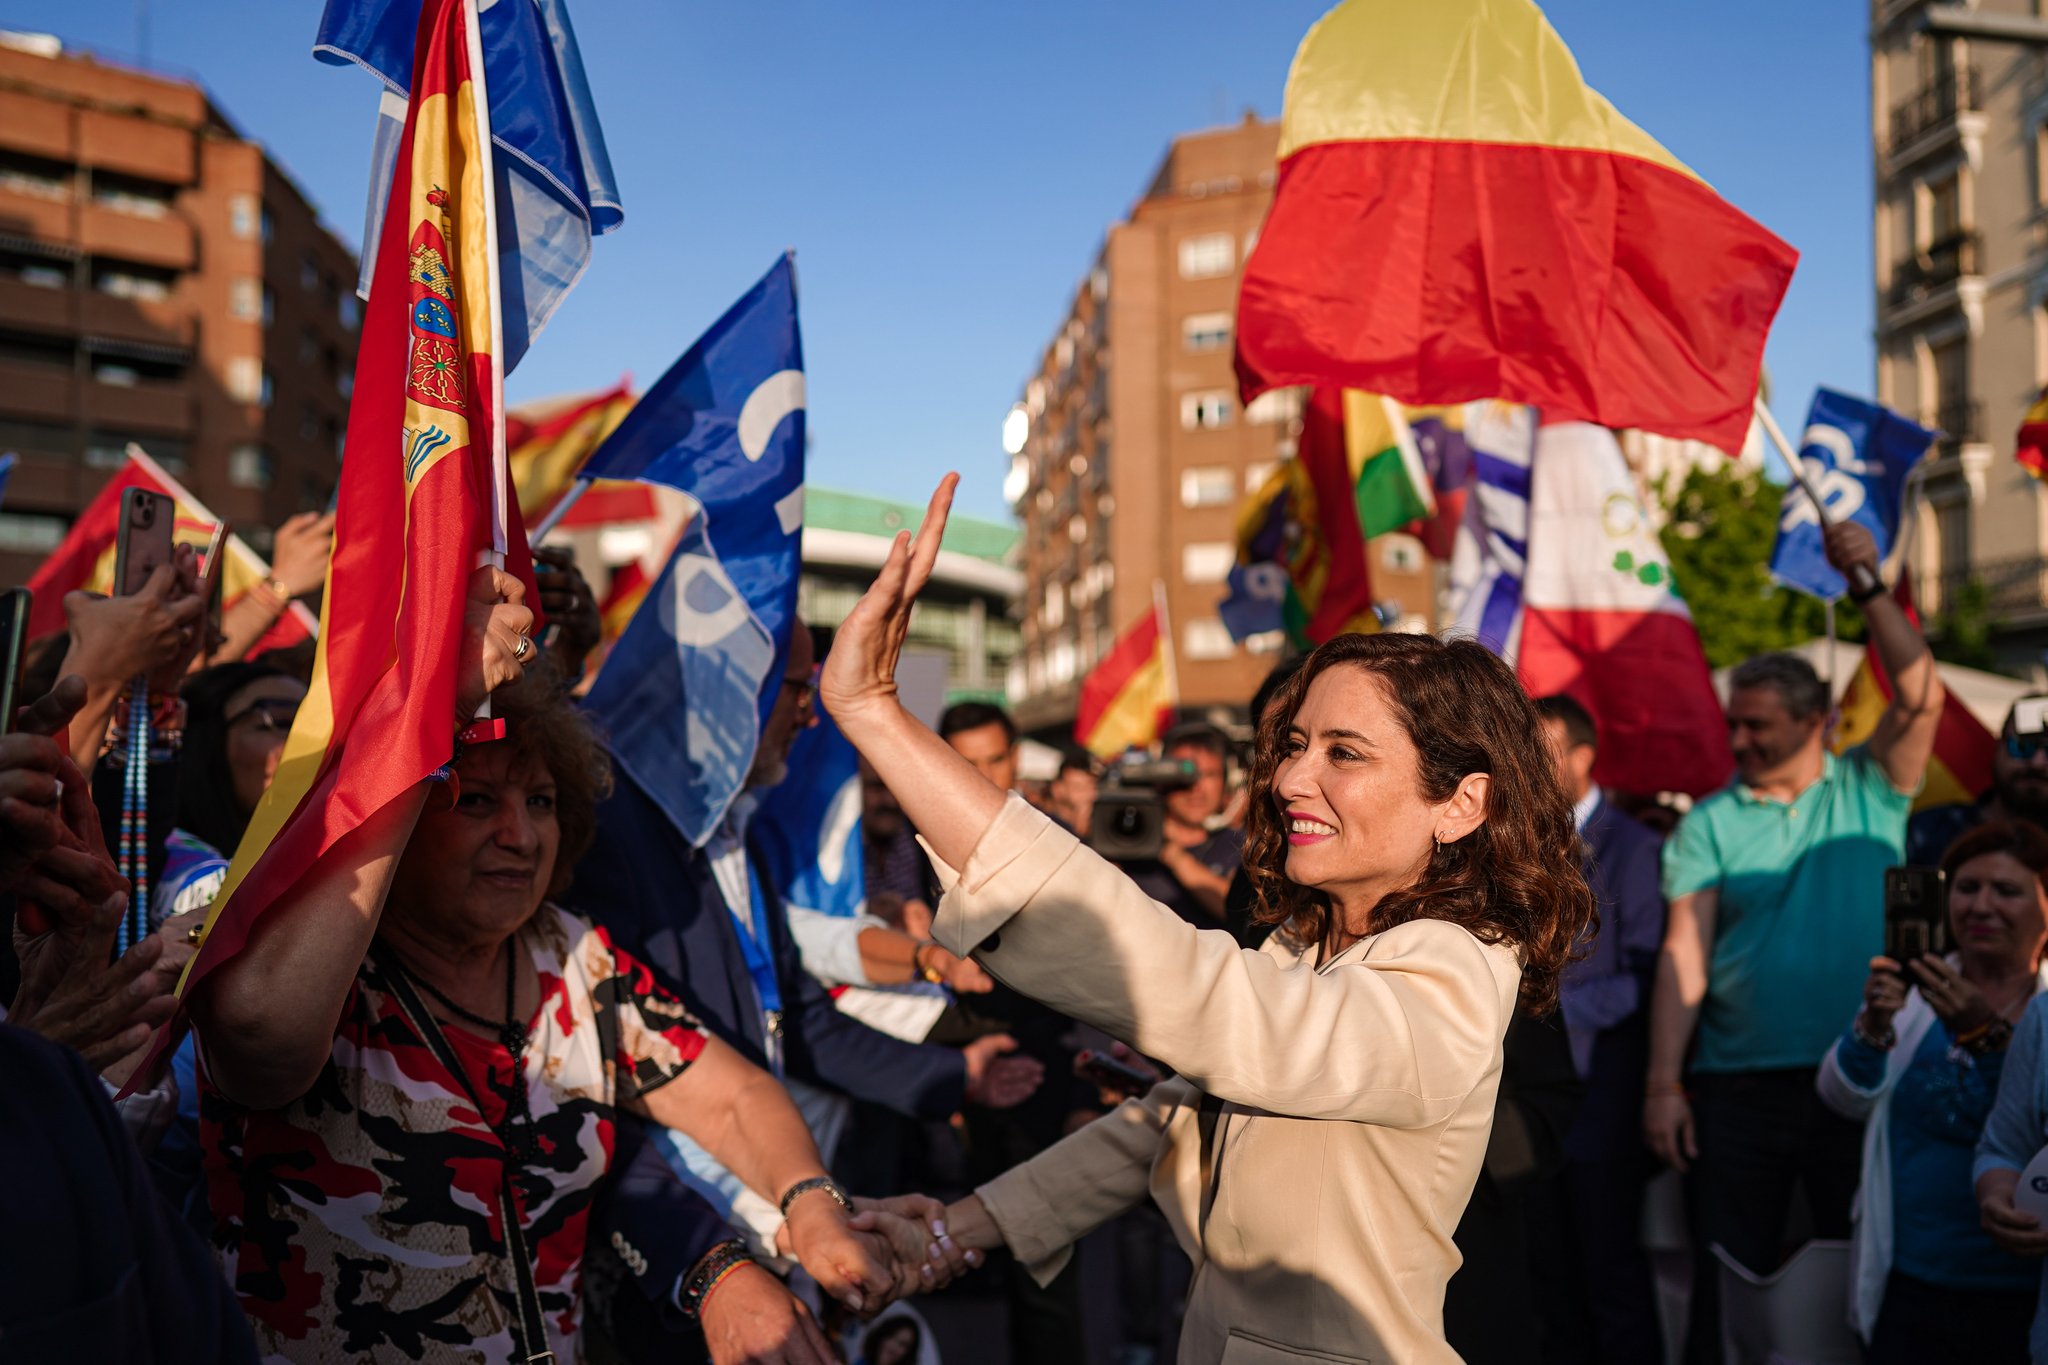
517,1132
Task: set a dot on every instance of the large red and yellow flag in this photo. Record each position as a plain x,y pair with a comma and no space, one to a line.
1460,217
1127,700
421,483
86,557
1960,770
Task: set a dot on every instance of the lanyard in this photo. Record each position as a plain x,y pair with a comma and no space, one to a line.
755,947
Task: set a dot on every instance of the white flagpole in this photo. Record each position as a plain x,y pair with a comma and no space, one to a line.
558,511
1861,582
500,473
1166,641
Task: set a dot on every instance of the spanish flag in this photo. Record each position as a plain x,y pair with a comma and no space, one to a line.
1960,770
420,479
546,444
85,559
1127,700
2031,447
1459,216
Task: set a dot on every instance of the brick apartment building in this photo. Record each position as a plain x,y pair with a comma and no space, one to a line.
1130,453
162,281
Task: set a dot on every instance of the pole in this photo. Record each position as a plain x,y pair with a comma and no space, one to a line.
1861,581
1166,641
558,511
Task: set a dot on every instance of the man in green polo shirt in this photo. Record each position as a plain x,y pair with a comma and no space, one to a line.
1775,885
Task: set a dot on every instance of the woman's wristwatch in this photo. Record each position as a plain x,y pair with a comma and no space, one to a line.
816,1182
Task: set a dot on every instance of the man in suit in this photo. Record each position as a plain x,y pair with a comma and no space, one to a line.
1602,1302
710,925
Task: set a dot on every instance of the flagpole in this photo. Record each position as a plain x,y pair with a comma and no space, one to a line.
558,511
1166,642
1861,581
500,474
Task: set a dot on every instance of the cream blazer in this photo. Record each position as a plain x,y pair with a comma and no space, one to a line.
1347,1109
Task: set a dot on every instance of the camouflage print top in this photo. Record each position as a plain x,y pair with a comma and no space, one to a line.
361,1221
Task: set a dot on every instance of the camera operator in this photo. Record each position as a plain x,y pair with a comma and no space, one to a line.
1192,873
1919,1066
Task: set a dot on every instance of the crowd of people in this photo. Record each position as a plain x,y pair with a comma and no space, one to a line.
1371,1050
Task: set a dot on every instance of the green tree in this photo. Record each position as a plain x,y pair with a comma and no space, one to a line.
1962,633
1722,526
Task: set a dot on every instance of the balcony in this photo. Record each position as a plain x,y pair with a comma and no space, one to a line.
2014,587
1938,266
161,241
155,323
1936,105
33,217
37,392
35,307
151,405
1960,422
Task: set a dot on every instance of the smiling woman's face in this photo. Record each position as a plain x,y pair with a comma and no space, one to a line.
1349,790
481,867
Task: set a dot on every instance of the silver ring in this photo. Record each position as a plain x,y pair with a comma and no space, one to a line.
522,649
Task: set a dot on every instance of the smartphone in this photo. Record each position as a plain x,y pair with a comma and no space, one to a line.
1915,913
15,606
144,540
211,567
1101,1069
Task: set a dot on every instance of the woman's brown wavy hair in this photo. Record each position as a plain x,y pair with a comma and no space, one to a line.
1516,879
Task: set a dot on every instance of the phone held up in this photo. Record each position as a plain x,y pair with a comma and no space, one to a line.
145,538
1915,913
1106,1072
15,607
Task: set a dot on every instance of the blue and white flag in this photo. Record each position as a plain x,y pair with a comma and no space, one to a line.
1856,455
809,835
1491,556
677,694
555,185
726,426
686,689
1257,601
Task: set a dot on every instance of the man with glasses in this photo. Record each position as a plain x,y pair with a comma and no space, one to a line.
2019,790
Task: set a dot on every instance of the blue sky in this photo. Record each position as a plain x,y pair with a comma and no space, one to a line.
945,172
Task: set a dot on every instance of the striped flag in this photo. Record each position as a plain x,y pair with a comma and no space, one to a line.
1964,749
2030,447
546,444
85,559
1459,216
1127,699
1492,550
421,484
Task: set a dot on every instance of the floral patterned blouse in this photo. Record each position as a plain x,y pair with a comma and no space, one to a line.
361,1221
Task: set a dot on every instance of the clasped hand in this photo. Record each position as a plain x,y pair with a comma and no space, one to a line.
883,1251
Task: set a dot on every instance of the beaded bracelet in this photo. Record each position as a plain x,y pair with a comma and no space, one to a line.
816,1182
710,1272
1991,1036
1876,1042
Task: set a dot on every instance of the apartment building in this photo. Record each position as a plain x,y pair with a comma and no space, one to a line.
1130,453
1960,135
163,282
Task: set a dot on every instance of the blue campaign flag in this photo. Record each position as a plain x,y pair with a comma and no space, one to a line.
677,693
1257,601
809,835
1856,455
726,426
555,184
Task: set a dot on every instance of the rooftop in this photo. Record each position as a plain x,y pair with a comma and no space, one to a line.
830,510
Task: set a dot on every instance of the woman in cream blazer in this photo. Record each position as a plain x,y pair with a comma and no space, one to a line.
1335,1088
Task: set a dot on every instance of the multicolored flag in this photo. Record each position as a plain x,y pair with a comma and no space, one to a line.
685,691
2030,447
1460,217
547,443
1390,485
1856,455
1440,439
85,559
1127,699
1960,770
622,598
555,189
422,485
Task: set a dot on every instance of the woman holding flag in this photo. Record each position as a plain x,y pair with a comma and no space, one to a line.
412,1069
1411,842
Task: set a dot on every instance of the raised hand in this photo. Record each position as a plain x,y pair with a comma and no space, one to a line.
571,608
860,672
300,551
495,639
999,1076
154,632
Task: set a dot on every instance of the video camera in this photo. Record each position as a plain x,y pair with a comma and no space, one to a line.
1128,823
2029,728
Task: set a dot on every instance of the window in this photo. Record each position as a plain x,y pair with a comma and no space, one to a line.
1206,561
1257,472
1944,210
115,373
1205,331
134,282
1211,254
269,305
34,177
268,390
109,449
1205,411
30,535
245,299
132,195
269,226
1952,537
1211,485
309,272
245,379
309,348
351,309
249,467
45,438
1274,405
1207,639
345,384
245,215
1054,613
43,277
